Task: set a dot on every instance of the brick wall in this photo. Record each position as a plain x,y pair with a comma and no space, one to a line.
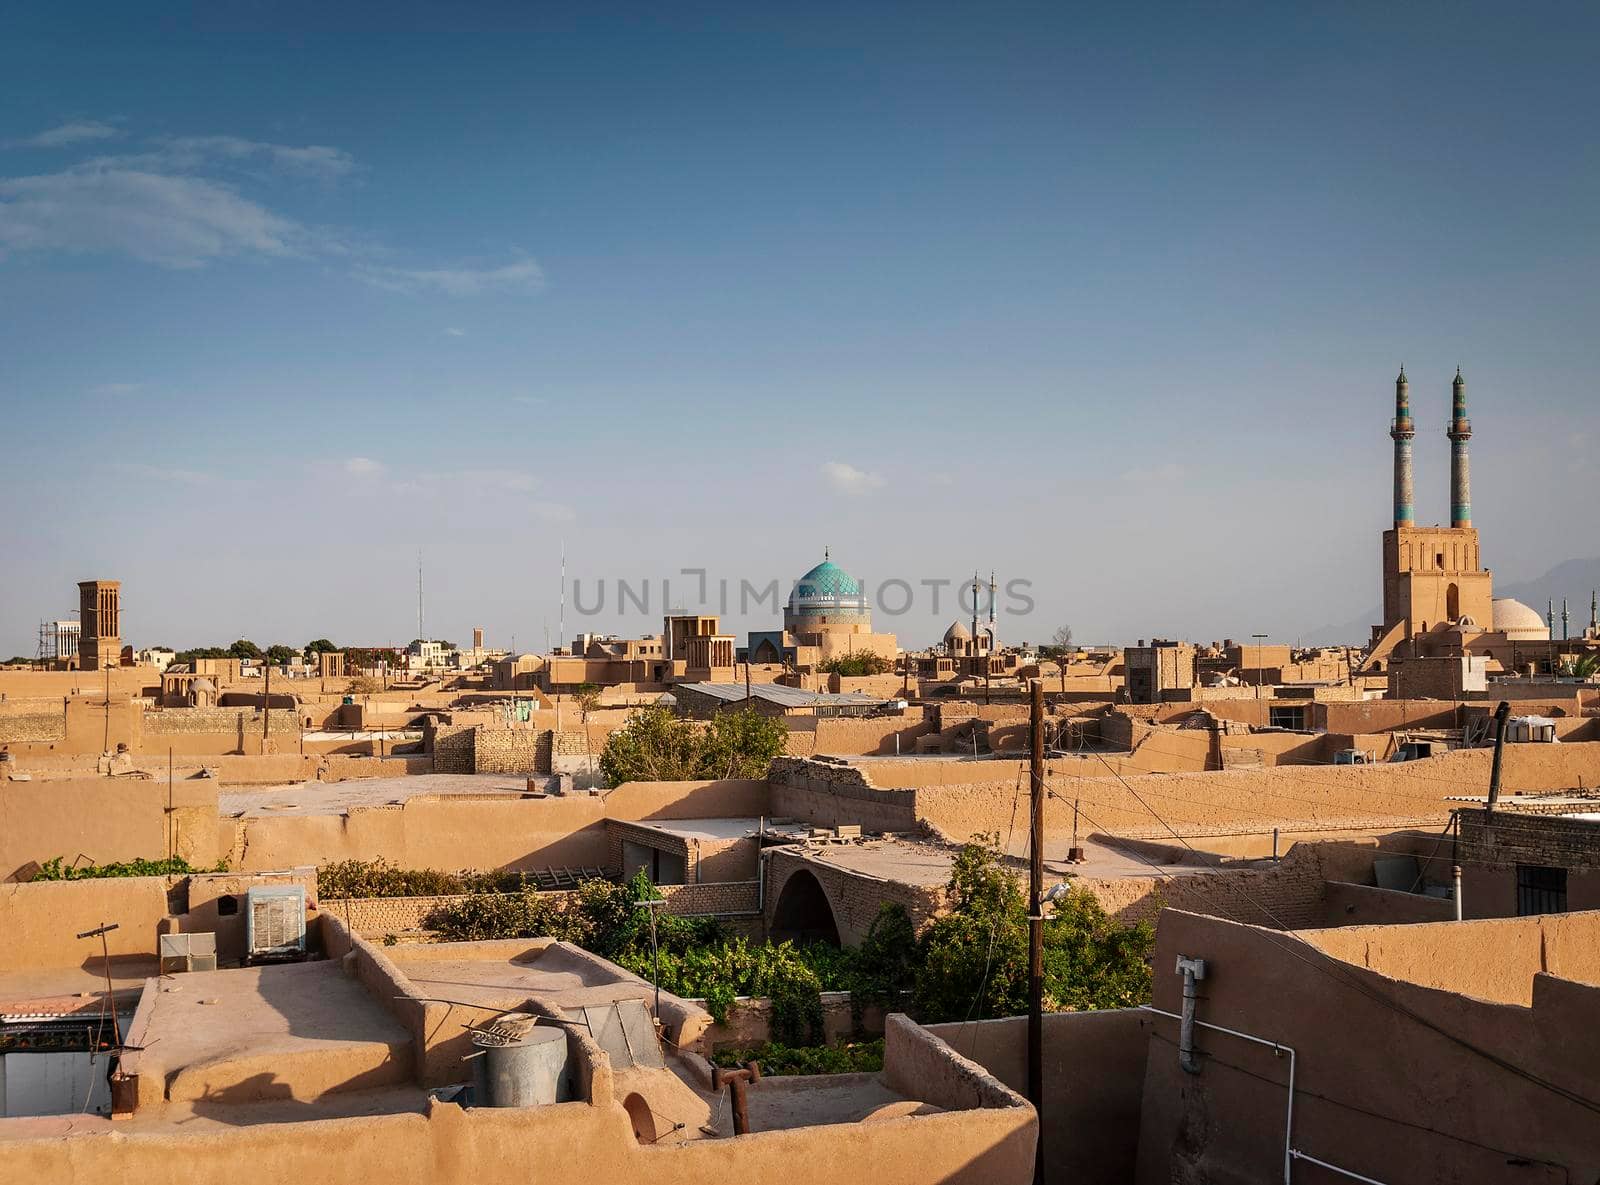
33,726
453,748
1517,838
713,899
511,751
830,794
854,898
189,721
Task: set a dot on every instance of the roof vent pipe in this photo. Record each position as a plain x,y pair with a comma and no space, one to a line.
1192,970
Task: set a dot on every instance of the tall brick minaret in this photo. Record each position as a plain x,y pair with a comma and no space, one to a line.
1459,432
1402,432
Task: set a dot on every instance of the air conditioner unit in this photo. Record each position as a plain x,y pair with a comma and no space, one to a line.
275,918
188,952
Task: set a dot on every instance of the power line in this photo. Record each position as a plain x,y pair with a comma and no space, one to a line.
1377,997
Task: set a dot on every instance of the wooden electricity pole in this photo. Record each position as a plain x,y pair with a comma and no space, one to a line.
1036,918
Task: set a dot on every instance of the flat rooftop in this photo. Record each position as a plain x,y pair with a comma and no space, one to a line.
723,828
788,697
336,798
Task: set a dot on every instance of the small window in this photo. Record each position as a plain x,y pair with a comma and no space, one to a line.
227,905
1540,890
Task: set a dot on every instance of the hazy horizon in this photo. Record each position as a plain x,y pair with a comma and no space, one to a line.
1111,302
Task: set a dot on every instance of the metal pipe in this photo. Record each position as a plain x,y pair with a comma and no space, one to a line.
1192,971
1333,1168
1276,1047
1455,892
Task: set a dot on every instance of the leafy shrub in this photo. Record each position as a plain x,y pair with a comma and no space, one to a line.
379,878
854,664
853,1057
57,869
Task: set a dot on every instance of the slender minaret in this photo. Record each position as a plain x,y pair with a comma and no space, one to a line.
1459,432
1550,617
1594,613
1402,432
974,610
1565,621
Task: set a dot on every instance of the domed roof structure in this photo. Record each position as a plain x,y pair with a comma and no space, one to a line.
827,579
1519,622
826,595
957,633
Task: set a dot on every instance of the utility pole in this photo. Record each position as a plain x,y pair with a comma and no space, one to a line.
1036,918
1501,715
1259,673
266,702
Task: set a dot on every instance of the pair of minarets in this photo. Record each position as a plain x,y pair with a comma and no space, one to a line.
1402,431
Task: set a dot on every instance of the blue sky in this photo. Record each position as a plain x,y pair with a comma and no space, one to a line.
1110,300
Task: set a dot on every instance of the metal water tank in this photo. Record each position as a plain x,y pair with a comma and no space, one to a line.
519,1063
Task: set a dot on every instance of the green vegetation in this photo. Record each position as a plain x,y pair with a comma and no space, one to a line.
279,654
853,1057
857,664
657,745
971,963
1580,666
379,878
57,869
974,960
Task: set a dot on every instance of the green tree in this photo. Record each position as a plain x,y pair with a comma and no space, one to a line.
319,646
740,744
854,664
974,960
244,648
279,654
656,745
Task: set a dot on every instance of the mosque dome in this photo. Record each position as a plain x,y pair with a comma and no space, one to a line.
1519,622
957,633
826,595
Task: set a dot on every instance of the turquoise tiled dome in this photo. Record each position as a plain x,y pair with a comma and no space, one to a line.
827,579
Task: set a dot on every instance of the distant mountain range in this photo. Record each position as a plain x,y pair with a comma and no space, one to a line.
1573,579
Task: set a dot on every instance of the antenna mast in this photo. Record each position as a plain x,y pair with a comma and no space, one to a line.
561,624
419,594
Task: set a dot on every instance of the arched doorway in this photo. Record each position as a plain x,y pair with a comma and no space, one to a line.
642,1118
1452,602
803,912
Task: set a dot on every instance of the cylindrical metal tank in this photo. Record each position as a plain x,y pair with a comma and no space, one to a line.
519,1063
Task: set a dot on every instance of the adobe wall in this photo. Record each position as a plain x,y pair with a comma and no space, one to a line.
106,820
720,798
829,795
1093,1084
1372,1105
577,1142
40,921
1345,904
1242,801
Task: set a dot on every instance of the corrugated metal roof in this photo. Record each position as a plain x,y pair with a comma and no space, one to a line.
777,693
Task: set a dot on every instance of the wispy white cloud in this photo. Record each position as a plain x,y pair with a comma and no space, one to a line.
847,479
460,281
76,132
363,467
174,221
310,160
454,332
112,389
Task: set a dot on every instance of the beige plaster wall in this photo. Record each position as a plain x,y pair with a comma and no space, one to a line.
1093,1085
40,921
106,820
